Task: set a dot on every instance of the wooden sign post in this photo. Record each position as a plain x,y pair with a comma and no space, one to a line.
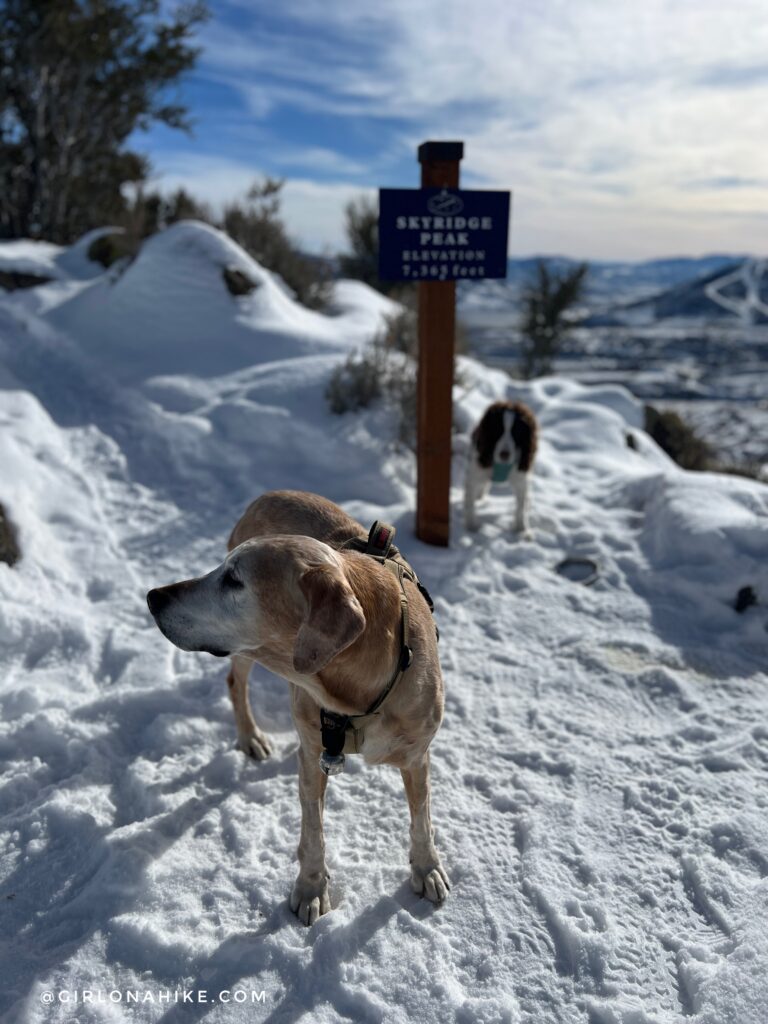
436,235
437,337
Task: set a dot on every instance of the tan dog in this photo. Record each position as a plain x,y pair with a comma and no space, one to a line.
329,622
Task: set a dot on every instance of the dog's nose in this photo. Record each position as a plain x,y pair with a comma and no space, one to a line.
157,600
504,455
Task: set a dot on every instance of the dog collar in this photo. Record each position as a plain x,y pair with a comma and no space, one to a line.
501,471
345,733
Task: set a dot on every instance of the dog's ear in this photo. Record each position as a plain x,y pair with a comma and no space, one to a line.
333,619
525,435
486,434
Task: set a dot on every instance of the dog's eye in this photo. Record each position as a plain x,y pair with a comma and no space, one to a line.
231,581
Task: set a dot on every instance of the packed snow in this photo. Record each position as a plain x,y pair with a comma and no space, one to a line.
599,781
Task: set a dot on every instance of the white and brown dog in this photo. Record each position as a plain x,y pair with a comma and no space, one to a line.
503,449
335,623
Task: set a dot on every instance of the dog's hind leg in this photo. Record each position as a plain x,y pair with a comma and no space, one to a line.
310,898
250,739
428,877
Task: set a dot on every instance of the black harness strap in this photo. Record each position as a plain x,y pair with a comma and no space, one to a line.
345,731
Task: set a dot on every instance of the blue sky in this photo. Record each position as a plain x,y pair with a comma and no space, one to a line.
624,129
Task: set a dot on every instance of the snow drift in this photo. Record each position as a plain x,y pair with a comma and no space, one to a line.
170,311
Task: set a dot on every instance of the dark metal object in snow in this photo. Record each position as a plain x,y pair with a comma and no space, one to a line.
745,598
579,570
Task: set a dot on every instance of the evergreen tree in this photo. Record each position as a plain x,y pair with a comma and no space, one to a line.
77,77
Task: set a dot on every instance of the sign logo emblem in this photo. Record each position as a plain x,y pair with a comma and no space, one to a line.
445,204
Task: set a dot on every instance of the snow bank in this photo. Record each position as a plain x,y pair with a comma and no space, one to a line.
24,256
171,312
55,262
702,518
705,536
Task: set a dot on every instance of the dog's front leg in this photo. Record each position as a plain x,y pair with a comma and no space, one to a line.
472,494
428,876
310,898
250,739
520,487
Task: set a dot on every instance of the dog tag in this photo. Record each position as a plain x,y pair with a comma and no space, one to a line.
332,764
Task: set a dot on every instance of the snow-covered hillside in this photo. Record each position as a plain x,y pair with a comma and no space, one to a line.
600,781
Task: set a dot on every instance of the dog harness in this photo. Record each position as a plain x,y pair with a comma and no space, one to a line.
344,734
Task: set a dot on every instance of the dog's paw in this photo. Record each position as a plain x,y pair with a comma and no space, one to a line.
310,900
430,881
255,744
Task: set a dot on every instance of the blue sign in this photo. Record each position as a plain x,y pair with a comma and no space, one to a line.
434,234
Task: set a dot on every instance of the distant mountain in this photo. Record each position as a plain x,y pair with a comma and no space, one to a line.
614,282
736,290
716,287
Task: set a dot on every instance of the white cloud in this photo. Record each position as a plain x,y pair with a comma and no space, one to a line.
595,113
218,180
596,226
313,211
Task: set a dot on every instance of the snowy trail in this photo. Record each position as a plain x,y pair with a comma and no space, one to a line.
599,782
607,835
594,874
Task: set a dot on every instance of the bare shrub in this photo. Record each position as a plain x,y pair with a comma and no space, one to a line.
679,440
237,282
386,370
108,249
358,381
255,224
546,303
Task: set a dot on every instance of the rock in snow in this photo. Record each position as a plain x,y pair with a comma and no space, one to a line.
599,782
